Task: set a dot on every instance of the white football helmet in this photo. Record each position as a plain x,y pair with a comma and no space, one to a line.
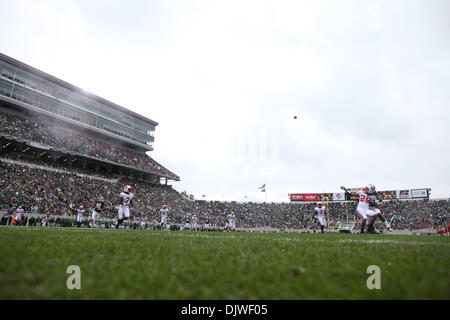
127,188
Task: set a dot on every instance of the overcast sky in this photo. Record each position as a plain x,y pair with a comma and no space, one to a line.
369,82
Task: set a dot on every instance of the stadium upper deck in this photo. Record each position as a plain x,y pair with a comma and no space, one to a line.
26,90
40,92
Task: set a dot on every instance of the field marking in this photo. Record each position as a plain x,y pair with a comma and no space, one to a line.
386,241
372,241
226,236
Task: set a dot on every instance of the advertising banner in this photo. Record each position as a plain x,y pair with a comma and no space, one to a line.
387,195
339,196
403,194
303,196
297,197
325,197
419,193
310,196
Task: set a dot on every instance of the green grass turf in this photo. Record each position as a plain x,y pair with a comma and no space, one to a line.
135,264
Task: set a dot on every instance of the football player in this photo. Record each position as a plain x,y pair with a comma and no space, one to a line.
194,222
206,225
19,214
144,222
164,212
96,210
187,225
80,213
363,211
320,211
125,201
231,221
375,207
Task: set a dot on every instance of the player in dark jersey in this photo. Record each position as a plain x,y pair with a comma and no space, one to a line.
374,205
96,211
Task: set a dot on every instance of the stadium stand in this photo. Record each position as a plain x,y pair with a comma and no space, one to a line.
60,191
44,132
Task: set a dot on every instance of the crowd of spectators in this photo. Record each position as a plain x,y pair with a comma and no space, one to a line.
417,214
48,134
60,193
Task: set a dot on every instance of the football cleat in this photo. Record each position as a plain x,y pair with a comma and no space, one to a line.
372,230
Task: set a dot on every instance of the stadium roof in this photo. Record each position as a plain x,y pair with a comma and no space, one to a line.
69,86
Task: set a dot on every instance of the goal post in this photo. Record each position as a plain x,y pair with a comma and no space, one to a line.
341,223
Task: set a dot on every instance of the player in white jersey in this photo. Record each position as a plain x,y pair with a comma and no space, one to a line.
144,222
19,214
363,205
320,211
125,201
164,213
367,197
231,221
80,213
194,222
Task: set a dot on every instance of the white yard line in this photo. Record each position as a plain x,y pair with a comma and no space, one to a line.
381,241
385,241
225,236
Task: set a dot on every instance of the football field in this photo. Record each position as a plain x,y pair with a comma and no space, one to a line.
135,264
